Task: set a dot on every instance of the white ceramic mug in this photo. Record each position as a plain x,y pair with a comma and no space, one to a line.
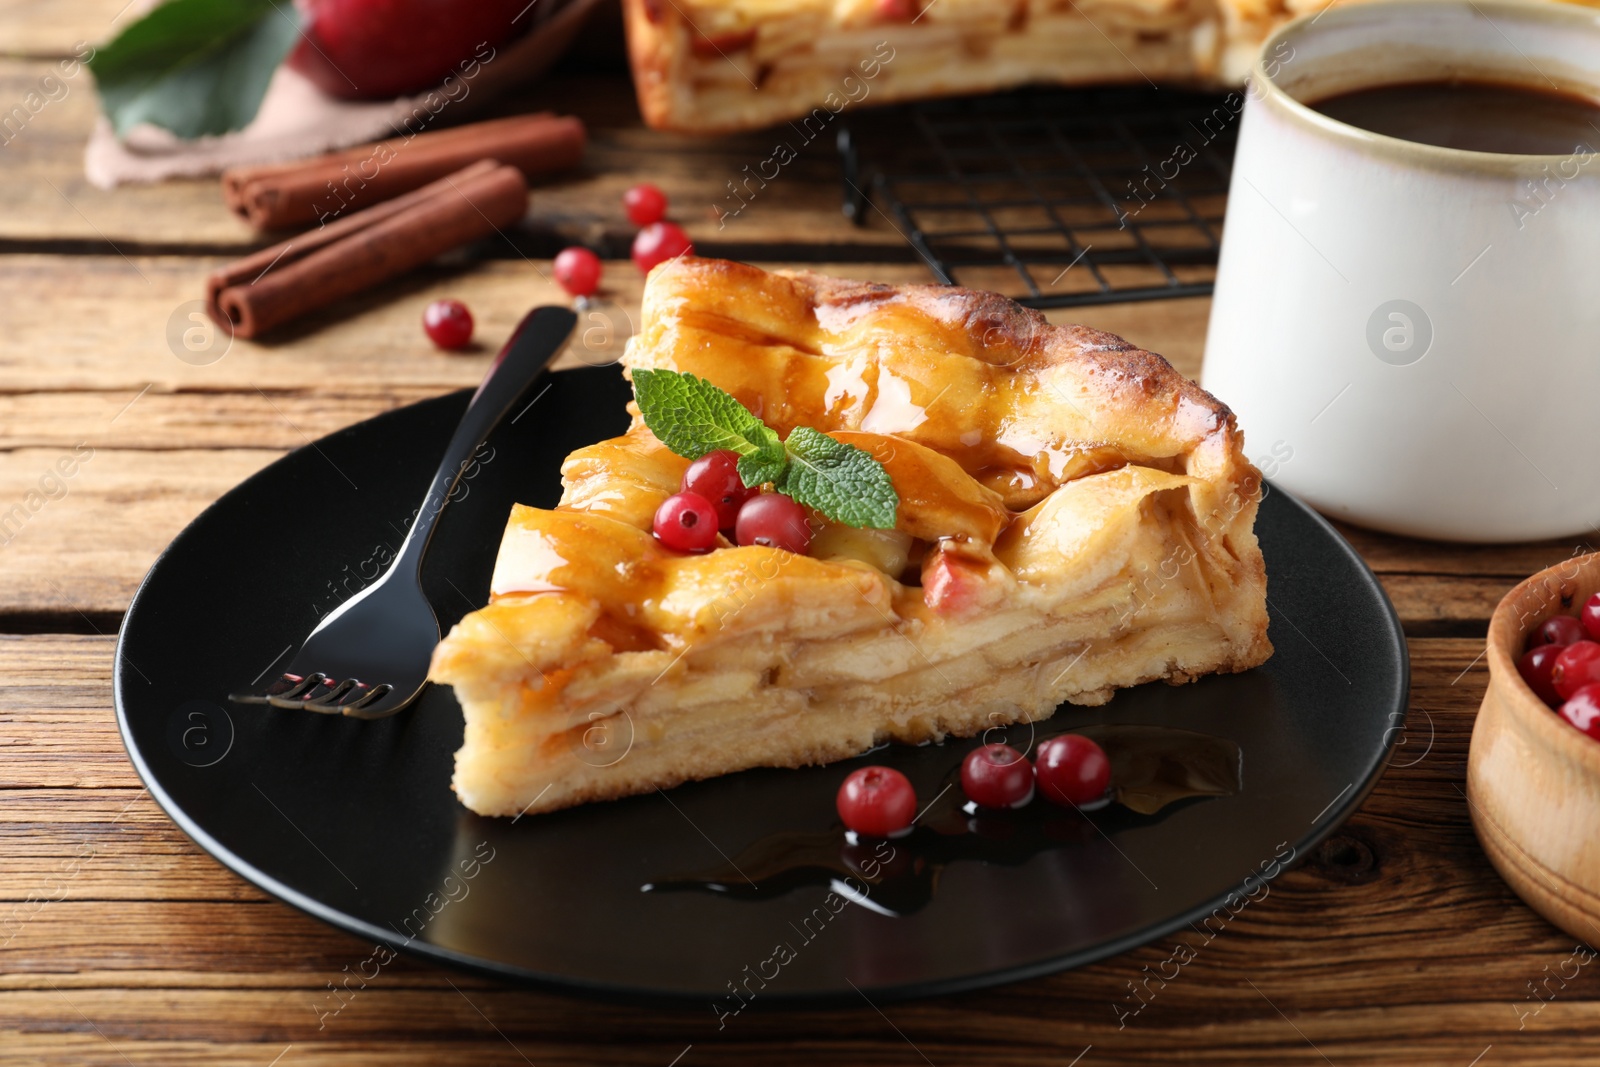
1417,329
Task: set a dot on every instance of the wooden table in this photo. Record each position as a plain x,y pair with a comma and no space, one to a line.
121,942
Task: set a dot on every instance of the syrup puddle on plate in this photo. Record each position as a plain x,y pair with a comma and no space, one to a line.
1151,767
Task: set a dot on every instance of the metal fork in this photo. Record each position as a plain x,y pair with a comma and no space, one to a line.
369,657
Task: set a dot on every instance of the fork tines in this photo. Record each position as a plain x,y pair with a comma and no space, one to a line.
317,692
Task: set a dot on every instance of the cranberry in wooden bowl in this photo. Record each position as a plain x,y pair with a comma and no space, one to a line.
1533,774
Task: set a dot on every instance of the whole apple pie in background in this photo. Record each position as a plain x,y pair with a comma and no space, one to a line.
705,66
1074,517
708,66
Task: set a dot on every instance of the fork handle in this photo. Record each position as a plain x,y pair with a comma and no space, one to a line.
532,347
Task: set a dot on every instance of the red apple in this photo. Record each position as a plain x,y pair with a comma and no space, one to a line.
374,49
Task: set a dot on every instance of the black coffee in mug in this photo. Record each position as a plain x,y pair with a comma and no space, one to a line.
1477,116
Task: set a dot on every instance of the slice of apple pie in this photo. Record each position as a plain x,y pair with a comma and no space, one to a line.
1070,516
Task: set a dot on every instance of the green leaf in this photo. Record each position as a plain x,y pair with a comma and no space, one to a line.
692,417
843,482
195,67
759,468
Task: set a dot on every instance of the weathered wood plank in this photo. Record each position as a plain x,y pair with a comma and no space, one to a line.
69,852
1445,605
480,1033
1392,554
100,324
47,199
111,517
56,727
162,420
49,28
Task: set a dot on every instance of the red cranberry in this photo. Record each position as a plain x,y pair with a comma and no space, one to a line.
1559,630
1576,666
773,520
645,204
687,523
577,270
897,10
1582,709
1590,616
448,324
659,242
997,776
715,476
1072,770
877,801
1535,666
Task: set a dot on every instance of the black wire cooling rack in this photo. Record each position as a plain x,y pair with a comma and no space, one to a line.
1086,196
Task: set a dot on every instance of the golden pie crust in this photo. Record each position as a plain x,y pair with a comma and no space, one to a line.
1078,515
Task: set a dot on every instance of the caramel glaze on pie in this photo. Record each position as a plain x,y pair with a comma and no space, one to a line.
1074,517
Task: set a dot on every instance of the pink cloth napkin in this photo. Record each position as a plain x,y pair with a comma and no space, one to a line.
297,119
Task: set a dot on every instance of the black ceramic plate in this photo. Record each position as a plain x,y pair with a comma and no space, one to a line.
355,822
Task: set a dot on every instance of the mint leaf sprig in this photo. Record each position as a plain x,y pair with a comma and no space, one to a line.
692,417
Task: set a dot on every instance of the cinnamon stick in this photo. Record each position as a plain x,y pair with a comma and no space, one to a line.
315,269
283,195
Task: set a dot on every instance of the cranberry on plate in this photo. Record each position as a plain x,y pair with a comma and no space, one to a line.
997,776
1590,616
1578,665
877,801
645,203
1582,710
448,324
686,523
715,476
773,520
659,242
1535,667
1072,771
1559,630
577,270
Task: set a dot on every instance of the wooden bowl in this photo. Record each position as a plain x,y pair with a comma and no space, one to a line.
1533,781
